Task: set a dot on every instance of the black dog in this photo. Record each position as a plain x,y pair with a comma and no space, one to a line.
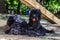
17,25
34,26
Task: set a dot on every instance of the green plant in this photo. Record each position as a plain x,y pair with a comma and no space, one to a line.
23,8
53,6
12,4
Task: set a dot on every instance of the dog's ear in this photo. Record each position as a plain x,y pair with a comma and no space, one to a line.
39,12
31,10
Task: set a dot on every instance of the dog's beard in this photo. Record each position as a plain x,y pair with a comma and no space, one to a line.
34,19
33,22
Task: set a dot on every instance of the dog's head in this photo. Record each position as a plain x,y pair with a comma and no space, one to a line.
35,15
10,21
15,18
16,24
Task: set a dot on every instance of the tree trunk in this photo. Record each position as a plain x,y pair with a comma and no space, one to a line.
2,6
18,8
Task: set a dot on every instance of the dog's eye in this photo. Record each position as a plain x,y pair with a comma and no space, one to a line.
33,15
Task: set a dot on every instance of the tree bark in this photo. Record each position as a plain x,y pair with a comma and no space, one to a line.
18,7
2,7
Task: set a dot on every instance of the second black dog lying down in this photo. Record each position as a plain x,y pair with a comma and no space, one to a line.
19,26
34,26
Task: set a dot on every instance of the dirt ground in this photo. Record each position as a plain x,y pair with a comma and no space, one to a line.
47,25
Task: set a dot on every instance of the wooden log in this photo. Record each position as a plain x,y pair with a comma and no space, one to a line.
46,14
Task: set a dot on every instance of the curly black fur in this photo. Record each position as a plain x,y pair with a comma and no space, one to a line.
35,26
19,26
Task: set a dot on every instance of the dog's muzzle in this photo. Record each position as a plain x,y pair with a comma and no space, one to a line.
34,19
